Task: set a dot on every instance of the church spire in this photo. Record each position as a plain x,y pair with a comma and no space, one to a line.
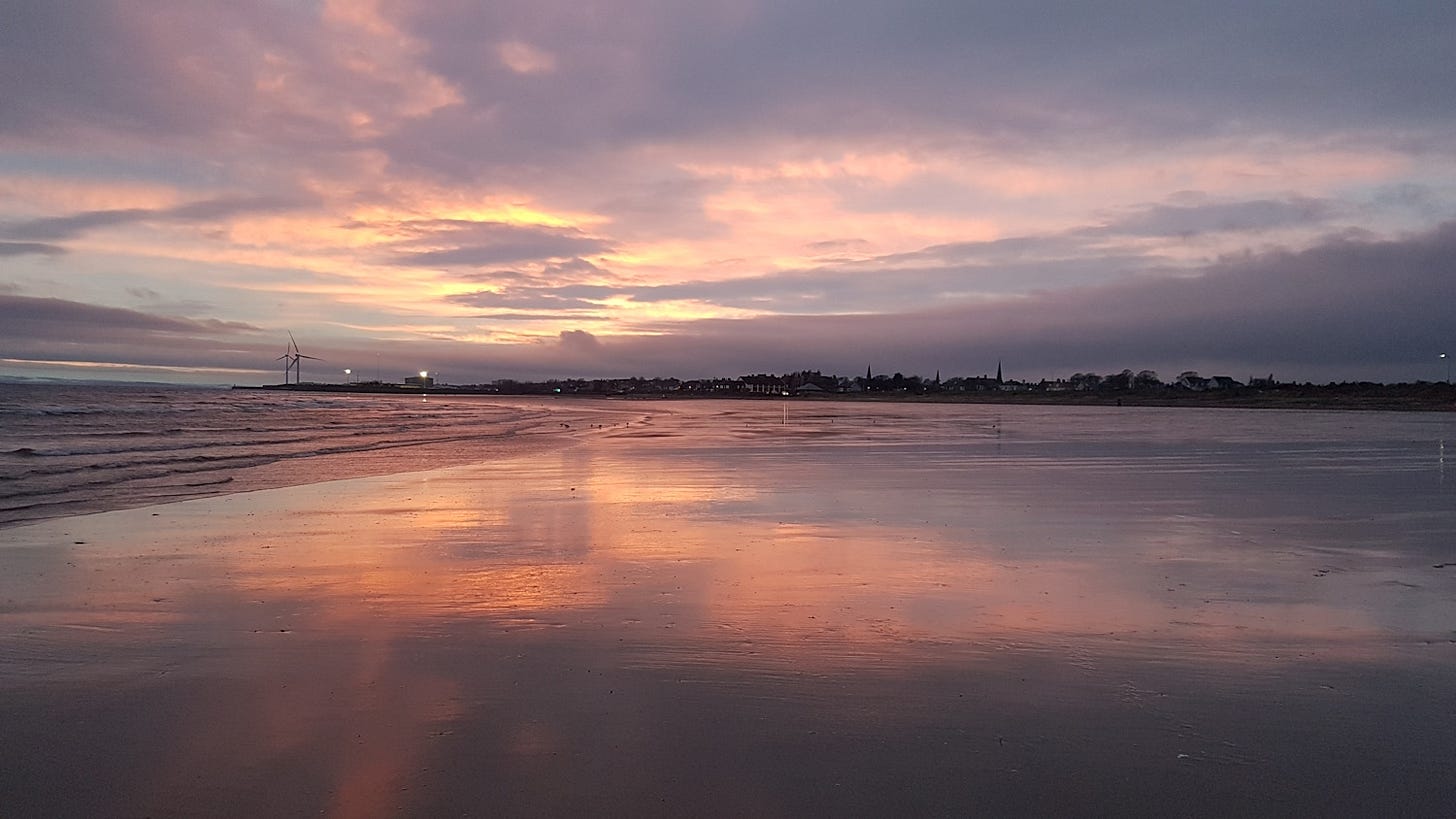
998,372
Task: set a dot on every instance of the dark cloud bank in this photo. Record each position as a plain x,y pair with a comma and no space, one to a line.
1349,308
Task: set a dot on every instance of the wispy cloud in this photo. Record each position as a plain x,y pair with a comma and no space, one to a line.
451,243
30,248
62,321
60,228
1201,217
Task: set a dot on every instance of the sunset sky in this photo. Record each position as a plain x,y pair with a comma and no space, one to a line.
545,189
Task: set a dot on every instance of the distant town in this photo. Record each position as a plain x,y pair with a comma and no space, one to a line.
1144,387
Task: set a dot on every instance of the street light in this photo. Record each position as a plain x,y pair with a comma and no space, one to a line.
348,376
1448,367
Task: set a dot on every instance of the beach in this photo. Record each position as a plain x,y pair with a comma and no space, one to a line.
768,609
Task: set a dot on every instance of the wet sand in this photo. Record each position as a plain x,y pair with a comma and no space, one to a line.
745,610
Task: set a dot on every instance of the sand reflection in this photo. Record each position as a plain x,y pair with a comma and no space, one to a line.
374,647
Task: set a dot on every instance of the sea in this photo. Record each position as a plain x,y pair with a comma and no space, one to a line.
75,449
69,449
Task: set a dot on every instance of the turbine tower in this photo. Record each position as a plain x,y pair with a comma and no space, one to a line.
287,359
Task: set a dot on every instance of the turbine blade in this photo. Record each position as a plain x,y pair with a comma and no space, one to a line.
309,357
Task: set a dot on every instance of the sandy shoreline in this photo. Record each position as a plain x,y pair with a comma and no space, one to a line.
1418,397
722,613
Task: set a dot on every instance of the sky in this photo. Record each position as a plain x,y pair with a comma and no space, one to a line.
547,189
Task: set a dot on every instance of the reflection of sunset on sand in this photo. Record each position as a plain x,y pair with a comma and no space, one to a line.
635,617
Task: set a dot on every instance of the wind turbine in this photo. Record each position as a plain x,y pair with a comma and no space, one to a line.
297,368
291,358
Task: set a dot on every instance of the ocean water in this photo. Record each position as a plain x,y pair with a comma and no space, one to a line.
75,449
